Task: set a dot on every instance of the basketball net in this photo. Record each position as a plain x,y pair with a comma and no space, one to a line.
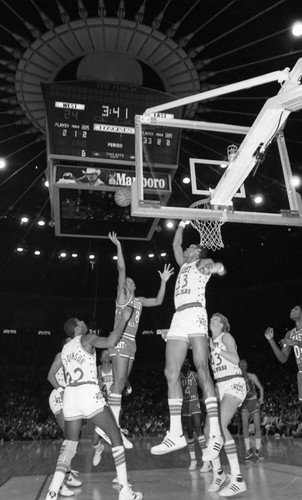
209,230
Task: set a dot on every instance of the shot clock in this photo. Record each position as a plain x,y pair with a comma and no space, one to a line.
94,121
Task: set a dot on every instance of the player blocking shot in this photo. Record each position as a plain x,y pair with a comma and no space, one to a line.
190,327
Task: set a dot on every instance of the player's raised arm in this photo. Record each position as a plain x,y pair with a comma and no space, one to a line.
113,338
177,243
281,355
121,266
164,277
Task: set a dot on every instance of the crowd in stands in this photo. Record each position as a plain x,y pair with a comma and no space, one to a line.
25,413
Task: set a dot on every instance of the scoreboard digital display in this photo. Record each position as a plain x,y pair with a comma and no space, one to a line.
95,121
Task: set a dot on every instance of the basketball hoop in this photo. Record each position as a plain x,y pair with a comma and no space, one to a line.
232,150
209,230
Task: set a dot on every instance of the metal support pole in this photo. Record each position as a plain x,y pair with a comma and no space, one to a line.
287,172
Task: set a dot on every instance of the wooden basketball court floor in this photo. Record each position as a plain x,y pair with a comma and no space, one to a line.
26,469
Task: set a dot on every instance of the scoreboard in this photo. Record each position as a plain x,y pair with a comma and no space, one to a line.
94,121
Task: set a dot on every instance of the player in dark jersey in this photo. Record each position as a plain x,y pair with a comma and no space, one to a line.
123,354
191,415
293,339
105,380
251,407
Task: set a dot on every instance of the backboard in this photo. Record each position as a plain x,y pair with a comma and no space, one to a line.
262,143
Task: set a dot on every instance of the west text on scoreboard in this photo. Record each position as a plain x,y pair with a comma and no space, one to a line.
95,121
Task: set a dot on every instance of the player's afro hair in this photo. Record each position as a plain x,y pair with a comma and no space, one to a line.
69,326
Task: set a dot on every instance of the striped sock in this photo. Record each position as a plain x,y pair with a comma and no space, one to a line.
118,454
61,470
191,448
212,410
231,453
202,442
175,406
115,401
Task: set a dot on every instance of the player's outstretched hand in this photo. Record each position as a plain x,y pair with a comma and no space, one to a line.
167,272
269,333
113,237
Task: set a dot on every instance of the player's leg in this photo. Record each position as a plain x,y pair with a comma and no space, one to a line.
60,420
176,351
106,421
67,452
257,425
245,414
120,370
197,425
236,484
187,421
56,405
120,374
98,447
200,357
130,366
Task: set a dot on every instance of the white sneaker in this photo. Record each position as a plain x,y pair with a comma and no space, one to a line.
97,457
234,486
206,467
169,444
115,480
218,478
127,444
65,492
213,448
72,479
193,465
127,493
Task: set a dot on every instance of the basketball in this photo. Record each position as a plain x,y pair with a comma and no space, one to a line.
122,197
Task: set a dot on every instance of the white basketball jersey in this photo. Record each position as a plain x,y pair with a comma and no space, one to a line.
79,365
190,285
221,367
60,377
107,380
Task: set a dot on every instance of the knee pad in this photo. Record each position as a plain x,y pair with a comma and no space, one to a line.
68,451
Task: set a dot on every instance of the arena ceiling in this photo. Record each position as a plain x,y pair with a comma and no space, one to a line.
206,44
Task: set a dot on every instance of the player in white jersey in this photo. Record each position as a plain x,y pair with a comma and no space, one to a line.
231,389
293,339
123,354
56,378
83,399
190,327
105,373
